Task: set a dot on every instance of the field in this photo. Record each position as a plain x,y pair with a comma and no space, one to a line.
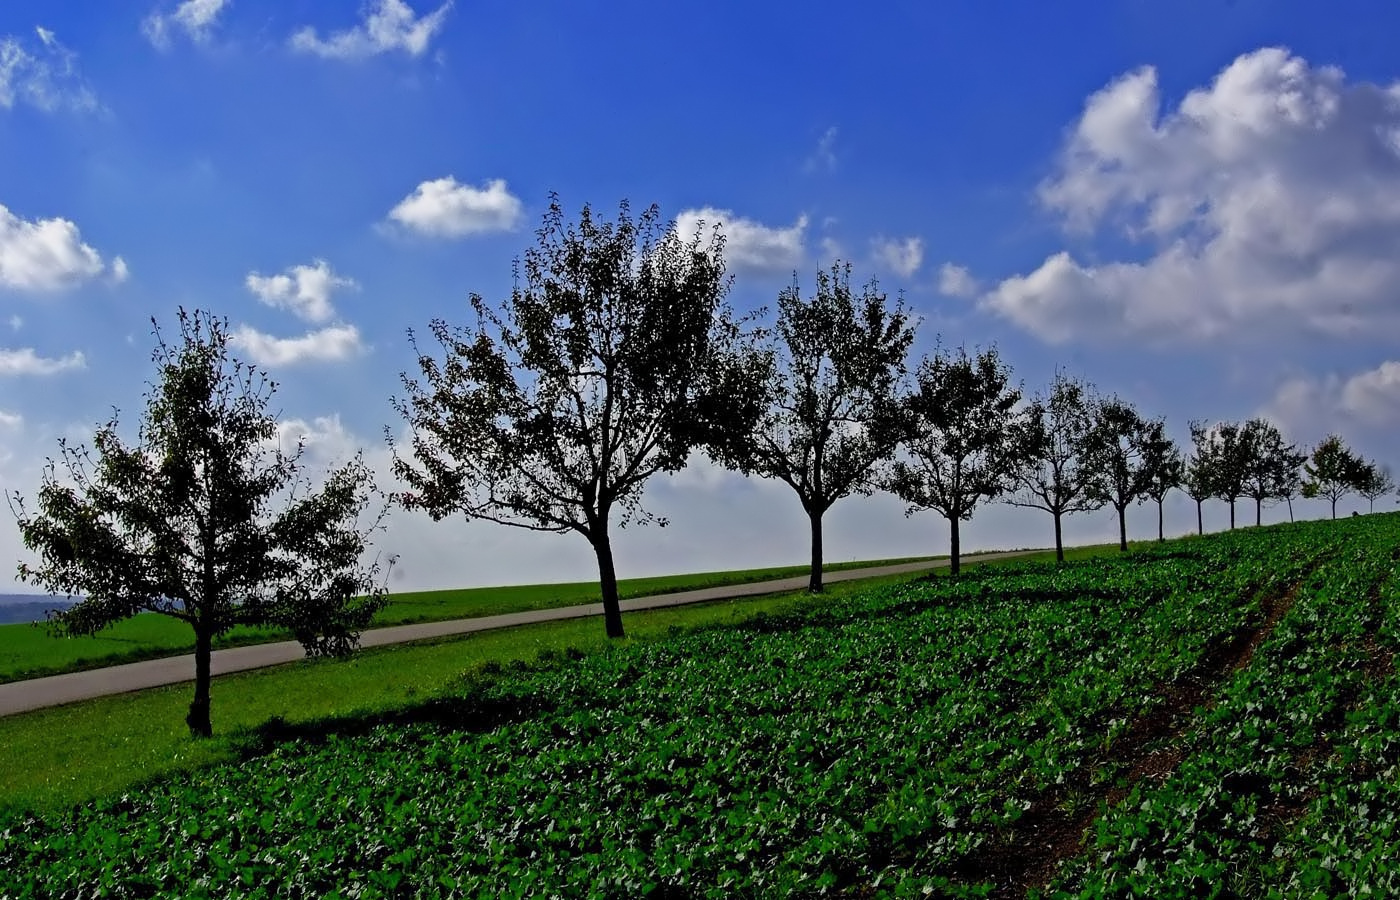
31,651
1214,717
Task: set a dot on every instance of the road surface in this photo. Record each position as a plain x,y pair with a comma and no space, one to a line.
56,690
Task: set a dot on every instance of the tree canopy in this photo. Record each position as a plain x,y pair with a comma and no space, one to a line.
959,447
205,518
1333,471
614,357
1062,467
836,408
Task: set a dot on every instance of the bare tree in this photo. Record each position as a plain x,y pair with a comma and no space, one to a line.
204,519
1062,469
960,448
836,408
613,360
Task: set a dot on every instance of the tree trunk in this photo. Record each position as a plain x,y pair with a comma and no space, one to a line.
1290,509
954,547
1160,537
1334,507
1122,529
1232,513
1258,507
1059,543
607,584
1200,528
814,583
198,718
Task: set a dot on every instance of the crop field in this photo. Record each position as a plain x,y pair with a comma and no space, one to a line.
1212,717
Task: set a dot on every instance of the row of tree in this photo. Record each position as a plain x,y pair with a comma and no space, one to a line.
615,358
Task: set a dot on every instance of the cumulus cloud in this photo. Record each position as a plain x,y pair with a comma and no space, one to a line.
387,25
903,257
329,344
326,441
195,18
1312,406
1268,202
748,245
44,76
444,208
26,362
823,159
956,281
45,255
305,291
9,420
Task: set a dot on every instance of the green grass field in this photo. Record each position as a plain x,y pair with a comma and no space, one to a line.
1204,718
70,754
31,651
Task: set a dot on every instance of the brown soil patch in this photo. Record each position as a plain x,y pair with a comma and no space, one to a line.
1055,827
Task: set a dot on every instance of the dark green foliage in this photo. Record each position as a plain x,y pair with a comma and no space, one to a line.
959,446
614,357
866,747
205,519
1123,439
1333,471
1164,467
1062,458
1272,470
835,410
1376,483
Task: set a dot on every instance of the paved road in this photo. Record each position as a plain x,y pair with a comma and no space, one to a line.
55,690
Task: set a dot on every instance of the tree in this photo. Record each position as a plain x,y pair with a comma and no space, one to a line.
204,519
1376,482
1197,481
1121,436
1271,466
1229,456
1163,465
959,444
836,409
613,360
1333,471
1062,468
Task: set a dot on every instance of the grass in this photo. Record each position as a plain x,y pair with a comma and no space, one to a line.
32,651
56,757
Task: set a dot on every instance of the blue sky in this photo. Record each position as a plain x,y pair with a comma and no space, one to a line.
1195,205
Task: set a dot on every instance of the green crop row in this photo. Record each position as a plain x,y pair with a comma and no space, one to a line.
882,745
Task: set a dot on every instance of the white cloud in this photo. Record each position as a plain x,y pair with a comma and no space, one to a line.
304,290
16,323
26,362
956,281
823,158
388,25
10,420
329,344
326,440
196,18
46,78
120,270
1317,405
444,208
747,244
1270,201
903,257
45,255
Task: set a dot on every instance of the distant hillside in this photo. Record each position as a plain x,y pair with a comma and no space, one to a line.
28,607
